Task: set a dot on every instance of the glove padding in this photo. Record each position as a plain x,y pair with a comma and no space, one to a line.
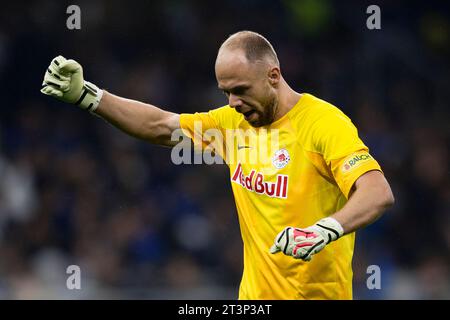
63,80
303,243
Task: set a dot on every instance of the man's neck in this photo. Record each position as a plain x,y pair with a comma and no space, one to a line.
288,98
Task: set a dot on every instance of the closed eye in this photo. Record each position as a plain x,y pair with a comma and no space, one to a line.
239,90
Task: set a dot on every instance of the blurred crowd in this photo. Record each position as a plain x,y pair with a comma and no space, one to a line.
76,191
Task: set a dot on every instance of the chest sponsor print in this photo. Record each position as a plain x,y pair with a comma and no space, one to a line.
256,182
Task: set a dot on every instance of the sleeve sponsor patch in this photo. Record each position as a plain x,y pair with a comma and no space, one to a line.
355,160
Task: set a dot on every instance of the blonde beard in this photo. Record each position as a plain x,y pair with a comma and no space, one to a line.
269,115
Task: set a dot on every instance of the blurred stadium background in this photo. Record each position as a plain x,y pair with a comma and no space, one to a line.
76,191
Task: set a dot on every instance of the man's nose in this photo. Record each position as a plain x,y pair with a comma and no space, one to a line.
234,101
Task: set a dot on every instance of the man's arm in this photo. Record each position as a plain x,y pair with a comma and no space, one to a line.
141,120
371,196
64,80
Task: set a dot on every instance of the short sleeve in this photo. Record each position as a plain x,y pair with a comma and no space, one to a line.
348,169
205,130
336,138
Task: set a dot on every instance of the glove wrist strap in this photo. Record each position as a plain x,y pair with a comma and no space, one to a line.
331,227
90,97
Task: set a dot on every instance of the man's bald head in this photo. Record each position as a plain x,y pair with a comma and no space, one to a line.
255,47
248,72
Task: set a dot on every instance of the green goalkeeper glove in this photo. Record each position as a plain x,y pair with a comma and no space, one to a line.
63,80
303,243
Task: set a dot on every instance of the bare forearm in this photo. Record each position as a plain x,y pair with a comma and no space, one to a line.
141,120
367,203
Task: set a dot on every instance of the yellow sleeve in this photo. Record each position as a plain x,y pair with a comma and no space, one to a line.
336,138
348,169
205,129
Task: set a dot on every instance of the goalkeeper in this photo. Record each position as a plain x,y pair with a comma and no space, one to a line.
299,207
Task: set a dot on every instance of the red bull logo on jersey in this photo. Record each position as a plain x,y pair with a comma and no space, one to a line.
255,182
355,160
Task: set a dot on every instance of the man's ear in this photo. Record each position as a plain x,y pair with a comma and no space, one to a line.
274,75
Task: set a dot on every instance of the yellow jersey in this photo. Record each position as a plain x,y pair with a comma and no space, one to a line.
307,176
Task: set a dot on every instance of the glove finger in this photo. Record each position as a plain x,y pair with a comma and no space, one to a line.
57,81
274,249
69,66
44,89
55,72
57,61
310,251
50,91
303,234
50,79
